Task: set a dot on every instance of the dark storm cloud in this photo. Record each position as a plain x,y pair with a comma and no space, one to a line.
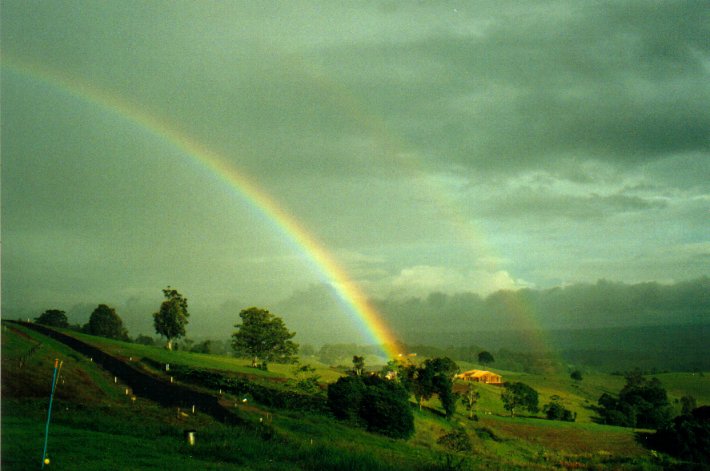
623,83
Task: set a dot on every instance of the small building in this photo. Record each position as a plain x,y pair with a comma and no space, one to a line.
480,376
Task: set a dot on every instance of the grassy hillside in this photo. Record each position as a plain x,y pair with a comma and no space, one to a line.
94,422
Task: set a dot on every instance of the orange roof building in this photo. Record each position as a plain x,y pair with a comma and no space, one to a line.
480,376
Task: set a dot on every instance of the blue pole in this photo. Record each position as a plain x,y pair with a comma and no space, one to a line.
49,412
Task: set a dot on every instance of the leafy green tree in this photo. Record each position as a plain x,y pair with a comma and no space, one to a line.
53,318
485,358
576,375
171,319
519,395
470,399
434,376
345,398
443,372
385,408
641,403
380,405
263,336
106,323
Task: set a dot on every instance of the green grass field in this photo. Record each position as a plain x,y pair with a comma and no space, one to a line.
96,426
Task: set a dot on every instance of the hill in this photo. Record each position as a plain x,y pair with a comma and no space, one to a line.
94,420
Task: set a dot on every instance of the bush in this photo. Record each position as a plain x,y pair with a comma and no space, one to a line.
385,408
53,318
345,398
687,437
380,405
641,403
556,411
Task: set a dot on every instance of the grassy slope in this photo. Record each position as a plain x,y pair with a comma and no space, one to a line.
519,441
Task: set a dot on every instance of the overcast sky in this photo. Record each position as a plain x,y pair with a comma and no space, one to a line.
430,146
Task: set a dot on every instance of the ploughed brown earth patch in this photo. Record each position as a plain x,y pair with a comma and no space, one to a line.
569,438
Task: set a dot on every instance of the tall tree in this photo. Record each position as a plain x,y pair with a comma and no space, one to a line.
171,319
263,336
53,318
105,322
518,395
470,399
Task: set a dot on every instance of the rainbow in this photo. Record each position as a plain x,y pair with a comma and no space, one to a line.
347,291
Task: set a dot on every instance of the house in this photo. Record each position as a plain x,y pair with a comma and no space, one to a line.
480,376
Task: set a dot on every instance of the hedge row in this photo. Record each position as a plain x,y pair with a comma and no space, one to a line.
262,394
142,383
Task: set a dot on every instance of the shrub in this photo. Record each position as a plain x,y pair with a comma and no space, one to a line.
380,405
53,318
556,411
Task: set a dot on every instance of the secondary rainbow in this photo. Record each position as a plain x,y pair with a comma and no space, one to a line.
348,292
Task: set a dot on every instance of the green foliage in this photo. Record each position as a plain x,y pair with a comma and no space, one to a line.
641,403
358,365
385,408
106,323
270,395
144,340
435,376
556,411
171,319
345,398
203,347
576,375
688,404
519,395
457,443
470,399
306,380
485,358
382,406
53,318
262,335
687,437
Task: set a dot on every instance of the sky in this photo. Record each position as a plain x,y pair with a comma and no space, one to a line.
427,147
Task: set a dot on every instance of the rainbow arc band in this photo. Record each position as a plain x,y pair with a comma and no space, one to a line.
347,291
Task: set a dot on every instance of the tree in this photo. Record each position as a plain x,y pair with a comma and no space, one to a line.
686,437
576,375
435,376
53,318
382,406
641,403
385,408
263,336
171,319
358,365
519,395
345,398
470,399
144,340
106,323
203,347
485,358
